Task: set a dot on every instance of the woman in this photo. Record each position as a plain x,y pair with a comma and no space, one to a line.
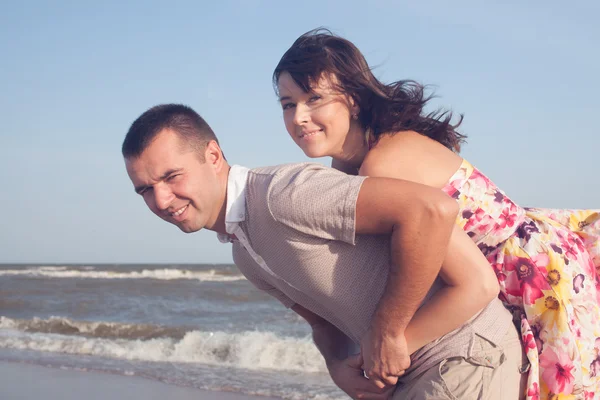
546,260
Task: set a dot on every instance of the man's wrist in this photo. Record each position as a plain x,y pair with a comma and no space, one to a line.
384,325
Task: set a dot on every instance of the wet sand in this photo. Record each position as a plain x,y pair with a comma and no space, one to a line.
30,382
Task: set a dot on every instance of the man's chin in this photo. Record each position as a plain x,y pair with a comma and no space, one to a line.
187,228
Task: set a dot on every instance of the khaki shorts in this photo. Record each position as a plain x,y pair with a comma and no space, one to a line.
493,372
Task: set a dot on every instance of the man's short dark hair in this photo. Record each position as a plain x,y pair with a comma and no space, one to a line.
179,118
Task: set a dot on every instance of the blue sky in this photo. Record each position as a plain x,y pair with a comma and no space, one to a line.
74,75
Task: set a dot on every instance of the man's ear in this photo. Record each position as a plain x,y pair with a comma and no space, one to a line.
214,155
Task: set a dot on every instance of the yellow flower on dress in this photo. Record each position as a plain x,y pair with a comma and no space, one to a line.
553,396
558,279
552,314
579,219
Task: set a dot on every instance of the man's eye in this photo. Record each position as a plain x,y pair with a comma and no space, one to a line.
287,106
172,177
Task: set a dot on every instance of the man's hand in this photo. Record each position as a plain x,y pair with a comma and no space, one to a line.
348,376
385,357
346,372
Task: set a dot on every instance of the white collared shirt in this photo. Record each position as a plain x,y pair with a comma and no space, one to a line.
235,212
235,209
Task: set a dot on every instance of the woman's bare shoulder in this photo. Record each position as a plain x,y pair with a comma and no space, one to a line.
411,156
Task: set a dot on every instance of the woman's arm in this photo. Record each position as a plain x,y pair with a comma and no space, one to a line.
471,282
471,285
419,220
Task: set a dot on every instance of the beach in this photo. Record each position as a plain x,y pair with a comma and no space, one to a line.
198,330
19,381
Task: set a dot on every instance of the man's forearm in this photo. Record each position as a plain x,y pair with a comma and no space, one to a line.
331,342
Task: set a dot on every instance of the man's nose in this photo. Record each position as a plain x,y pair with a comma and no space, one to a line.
163,197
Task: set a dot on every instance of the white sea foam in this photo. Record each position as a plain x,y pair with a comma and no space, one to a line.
160,274
49,269
251,350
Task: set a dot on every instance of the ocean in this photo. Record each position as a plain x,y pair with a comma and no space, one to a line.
202,326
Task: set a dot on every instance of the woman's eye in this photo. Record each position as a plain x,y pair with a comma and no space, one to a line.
314,98
287,106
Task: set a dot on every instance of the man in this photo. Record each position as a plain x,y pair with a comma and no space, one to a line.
354,256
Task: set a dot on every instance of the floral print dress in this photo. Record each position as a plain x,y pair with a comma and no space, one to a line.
547,263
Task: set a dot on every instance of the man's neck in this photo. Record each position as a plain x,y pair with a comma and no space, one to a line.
219,224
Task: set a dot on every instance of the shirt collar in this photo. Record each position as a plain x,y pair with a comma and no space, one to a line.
235,210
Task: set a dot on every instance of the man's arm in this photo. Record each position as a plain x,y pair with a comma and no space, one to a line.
331,342
346,371
417,218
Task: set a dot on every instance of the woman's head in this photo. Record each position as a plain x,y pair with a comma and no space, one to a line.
319,59
322,121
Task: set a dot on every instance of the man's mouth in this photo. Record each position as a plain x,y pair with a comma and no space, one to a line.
179,212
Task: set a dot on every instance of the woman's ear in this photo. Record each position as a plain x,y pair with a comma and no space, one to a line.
354,108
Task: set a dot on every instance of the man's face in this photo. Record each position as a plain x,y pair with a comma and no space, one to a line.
175,184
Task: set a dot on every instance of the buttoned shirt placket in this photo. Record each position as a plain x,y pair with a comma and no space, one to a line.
235,212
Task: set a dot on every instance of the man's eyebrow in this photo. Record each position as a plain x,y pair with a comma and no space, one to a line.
164,176
138,189
170,172
284,98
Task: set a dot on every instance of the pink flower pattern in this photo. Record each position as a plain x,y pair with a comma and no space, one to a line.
558,371
524,245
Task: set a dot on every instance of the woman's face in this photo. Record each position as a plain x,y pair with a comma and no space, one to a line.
319,121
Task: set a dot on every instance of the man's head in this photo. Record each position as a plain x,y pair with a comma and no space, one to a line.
175,163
